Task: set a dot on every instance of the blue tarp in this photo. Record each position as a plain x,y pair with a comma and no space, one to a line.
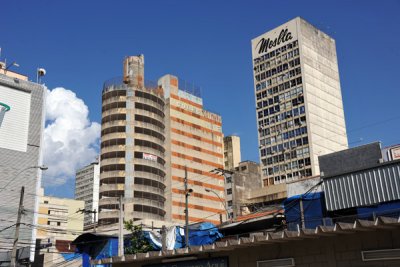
199,234
93,246
71,256
203,234
99,246
313,206
106,250
388,209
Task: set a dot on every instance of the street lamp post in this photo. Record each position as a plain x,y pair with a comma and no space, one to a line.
220,199
20,212
43,168
226,174
187,194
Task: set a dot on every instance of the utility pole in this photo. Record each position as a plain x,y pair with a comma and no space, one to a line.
95,219
186,210
85,211
303,224
16,235
120,232
164,238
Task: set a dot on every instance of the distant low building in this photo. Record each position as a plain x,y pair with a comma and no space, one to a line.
245,177
58,217
391,153
359,177
87,189
232,154
58,225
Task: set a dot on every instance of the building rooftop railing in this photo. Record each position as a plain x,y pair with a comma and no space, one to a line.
189,87
118,83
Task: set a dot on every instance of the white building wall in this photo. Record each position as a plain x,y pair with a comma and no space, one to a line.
296,77
21,135
323,98
87,189
15,125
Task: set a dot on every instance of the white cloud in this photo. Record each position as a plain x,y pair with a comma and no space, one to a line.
70,139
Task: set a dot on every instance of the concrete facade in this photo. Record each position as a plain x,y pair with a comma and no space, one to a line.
21,134
87,181
58,218
329,250
194,140
299,102
232,154
245,178
132,147
150,133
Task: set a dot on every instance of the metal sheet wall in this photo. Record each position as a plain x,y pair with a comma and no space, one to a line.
363,188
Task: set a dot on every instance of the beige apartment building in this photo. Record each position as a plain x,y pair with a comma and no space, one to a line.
58,218
232,154
150,134
132,147
194,141
299,102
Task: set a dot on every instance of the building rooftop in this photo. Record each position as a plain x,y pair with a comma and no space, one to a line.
261,238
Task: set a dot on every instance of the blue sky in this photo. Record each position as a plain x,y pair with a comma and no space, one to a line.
82,43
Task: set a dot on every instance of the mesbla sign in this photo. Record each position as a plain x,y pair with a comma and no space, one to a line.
274,39
265,44
212,262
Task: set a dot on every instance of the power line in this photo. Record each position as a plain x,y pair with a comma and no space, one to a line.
8,227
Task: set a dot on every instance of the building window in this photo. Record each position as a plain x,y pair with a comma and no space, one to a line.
229,180
229,191
46,202
58,223
230,203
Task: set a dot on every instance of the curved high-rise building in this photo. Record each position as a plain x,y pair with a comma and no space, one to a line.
132,147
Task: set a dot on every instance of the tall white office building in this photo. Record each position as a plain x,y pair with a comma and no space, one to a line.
87,189
21,149
298,100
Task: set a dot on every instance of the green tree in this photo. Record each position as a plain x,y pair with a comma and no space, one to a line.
139,243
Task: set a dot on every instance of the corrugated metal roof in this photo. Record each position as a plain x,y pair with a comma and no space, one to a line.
283,236
363,188
257,215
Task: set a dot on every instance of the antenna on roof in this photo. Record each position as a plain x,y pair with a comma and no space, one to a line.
40,73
